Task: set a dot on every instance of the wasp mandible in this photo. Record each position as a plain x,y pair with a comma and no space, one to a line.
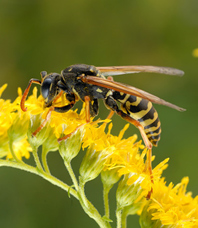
88,83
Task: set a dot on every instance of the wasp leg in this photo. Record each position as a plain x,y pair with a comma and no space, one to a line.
44,122
149,164
36,81
58,96
71,98
111,104
91,109
53,108
87,108
111,112
67,136
64,108
110,78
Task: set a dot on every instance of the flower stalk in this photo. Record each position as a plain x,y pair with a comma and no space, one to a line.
106,190
88,206
44,175
44,159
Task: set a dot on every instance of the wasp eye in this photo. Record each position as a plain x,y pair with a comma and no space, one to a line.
46,87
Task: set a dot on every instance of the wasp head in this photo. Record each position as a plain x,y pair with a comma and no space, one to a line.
49,87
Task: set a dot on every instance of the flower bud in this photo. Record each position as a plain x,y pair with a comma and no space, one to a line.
70,147
129,195
18,129
92,164
41,136
51,142
146,220
110,177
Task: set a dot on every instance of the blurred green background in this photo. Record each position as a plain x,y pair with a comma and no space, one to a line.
51,35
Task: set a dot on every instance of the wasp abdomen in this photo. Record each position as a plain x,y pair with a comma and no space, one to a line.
143,111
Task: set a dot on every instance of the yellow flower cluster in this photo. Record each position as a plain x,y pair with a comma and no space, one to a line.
171,206
114,155
13,129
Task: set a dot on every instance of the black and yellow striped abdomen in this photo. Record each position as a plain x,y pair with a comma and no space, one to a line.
143,111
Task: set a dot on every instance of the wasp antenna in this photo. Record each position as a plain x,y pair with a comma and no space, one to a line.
36,81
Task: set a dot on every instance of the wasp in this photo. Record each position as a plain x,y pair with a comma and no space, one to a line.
88,84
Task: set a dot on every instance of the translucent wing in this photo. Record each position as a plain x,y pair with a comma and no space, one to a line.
117,70
128,90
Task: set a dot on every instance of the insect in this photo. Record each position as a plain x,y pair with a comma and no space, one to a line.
88,83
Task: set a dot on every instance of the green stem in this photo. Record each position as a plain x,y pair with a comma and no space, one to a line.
106,190
124,219
119,218
71,173
89,208
44,159
36,158
41,173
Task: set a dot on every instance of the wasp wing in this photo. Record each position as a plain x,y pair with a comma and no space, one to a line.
120,87
117,70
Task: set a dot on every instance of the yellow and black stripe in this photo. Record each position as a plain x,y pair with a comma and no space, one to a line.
142,111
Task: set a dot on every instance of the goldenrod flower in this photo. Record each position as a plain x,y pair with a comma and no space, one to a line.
171,206
6,110
13,129
114,157
21,149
